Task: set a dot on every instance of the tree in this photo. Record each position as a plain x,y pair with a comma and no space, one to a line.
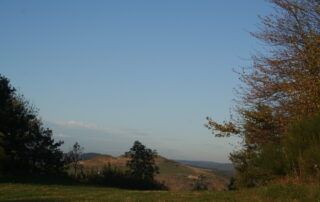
281,87
74,157
141,162
27,144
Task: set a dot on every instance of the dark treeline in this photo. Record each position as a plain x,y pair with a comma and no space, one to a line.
277,113
27,147
28,152
114,177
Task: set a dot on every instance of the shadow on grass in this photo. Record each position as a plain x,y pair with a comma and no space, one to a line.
40,180
37,200
124,183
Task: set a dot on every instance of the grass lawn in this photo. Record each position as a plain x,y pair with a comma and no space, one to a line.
32,192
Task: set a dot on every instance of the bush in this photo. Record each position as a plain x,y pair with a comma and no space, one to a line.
232,184
302,147
200,184
258,167
113,177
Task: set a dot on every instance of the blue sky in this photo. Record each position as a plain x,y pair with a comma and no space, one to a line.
125,70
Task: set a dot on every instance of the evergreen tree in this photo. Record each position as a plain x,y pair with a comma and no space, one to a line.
27,144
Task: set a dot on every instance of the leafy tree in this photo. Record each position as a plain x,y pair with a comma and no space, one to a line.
74,157
281,87
28,145
142,162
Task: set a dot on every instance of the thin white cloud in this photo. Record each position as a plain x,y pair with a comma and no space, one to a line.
79,124
62,135
125,132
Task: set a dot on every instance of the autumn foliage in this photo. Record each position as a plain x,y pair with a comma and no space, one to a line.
280,91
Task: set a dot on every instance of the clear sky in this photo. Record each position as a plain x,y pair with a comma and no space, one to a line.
105,73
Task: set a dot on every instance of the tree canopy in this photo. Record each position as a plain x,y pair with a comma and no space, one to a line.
27,145
281,87
142,162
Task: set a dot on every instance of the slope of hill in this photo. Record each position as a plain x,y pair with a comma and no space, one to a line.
87,156
223,168
173,174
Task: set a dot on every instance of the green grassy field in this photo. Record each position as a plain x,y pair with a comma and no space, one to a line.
29,192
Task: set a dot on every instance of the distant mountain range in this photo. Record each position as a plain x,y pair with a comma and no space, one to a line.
87,156
223,168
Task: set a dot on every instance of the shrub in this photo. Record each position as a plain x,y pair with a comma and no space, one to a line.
113,177
200,184
302,147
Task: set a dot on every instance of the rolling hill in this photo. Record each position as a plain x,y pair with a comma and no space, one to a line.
174,175
226,169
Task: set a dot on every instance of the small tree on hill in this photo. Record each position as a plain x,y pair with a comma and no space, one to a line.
142,162
74,157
